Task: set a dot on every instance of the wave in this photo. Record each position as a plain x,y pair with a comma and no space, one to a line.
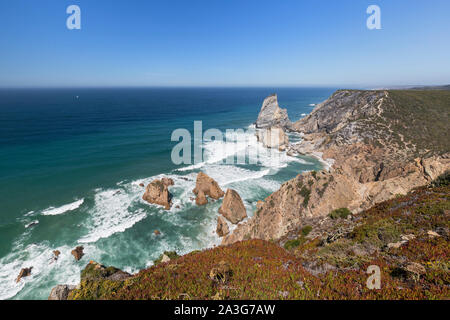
52,211
112,213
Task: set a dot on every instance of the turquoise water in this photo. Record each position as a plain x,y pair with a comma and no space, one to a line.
72,161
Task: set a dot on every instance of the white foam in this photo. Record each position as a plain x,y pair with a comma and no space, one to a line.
32,223
111,214
52,211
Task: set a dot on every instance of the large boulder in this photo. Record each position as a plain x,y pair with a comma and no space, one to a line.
157,192
78,252
222,227
25,272
274,138
272,115
206,186
61,292
233,207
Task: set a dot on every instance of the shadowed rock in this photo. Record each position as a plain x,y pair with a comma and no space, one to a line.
233,207
222,227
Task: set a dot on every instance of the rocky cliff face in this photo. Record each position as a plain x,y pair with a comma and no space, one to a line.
367,140
271,115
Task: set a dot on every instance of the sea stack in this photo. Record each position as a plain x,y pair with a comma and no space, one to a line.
206,186
157,192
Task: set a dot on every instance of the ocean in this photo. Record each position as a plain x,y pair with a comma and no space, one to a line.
72,161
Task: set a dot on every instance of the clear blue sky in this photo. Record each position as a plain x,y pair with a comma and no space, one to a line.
224,43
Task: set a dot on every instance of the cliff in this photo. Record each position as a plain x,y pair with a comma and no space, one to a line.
407,238
379,143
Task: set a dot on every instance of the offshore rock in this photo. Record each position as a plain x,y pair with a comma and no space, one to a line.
206,186
272,115
233,207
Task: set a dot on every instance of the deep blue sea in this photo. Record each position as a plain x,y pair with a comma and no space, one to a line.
71,161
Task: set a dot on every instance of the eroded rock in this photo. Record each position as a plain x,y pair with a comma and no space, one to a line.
206,186
157,192
272,115
78,252
25,272
233,207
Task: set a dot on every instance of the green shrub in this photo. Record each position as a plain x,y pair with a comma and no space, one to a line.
340,213
306,230
442,181
171,254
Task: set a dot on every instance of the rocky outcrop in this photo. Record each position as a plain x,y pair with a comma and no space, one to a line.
358,136
222,227
206,186
271,115
274,138
233,207
167,181
25,272
78,253
61,292
157,192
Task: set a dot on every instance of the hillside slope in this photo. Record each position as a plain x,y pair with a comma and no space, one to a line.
407,237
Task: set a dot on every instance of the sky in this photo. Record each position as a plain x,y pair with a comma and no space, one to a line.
224,43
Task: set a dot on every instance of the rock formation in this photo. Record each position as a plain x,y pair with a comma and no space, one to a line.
206,186
61,292
78,252
157,192
271,115
233,207
25,272
222,227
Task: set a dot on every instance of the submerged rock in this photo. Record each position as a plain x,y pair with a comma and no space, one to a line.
222,227
206,186
25,272
233,207
157,192
272,115
78,252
